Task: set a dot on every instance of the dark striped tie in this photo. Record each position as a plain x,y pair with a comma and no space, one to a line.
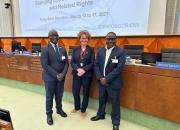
57,52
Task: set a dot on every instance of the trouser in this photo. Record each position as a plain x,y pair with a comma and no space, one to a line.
114,94
85,82
54,88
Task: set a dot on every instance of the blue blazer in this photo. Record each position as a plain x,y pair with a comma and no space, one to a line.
113,71
88,61
50,63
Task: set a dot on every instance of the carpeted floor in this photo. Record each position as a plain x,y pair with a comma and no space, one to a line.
28,113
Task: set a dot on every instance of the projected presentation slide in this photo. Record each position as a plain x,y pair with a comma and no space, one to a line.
68,17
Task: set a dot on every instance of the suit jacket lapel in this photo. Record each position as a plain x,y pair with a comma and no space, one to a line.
103,56
60,51
79,52
52,51
111,55
87,51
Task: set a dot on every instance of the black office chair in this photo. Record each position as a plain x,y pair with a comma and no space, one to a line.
36,47
1,49
71,50
134,50
15,46
170,55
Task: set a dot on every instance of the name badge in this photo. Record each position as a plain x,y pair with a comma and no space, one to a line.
63,57
115,61
81,64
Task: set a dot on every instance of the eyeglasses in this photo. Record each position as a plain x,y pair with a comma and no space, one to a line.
110,39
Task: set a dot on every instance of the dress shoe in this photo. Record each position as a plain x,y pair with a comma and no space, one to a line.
96,118
115,127
62,113
83,115
49,120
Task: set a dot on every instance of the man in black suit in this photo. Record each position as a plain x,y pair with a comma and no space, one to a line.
109,63
55,64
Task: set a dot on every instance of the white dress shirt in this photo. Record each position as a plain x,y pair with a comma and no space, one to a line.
52,44
108,53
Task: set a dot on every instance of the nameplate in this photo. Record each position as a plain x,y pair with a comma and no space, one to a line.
27,52
168,65
8,52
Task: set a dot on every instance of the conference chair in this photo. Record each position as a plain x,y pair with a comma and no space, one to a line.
170,55
134,50
36,47
71,50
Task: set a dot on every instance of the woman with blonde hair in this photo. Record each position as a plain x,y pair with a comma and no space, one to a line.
82,70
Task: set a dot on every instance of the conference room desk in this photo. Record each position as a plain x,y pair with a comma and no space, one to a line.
151,90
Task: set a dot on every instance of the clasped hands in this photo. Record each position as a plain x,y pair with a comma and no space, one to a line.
103,81
80,71
60,76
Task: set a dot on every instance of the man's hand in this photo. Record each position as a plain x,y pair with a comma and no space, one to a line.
80,71
103,81
60,77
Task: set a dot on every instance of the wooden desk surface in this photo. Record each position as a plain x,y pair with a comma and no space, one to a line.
152,90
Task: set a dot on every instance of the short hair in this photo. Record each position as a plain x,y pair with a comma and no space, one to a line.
84,32
112,33
53,32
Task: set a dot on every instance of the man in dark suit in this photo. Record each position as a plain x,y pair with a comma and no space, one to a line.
109,63
55,64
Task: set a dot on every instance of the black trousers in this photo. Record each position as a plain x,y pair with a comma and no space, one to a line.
85,82
114,95
53,88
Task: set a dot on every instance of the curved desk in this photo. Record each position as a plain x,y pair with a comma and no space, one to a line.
152,90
